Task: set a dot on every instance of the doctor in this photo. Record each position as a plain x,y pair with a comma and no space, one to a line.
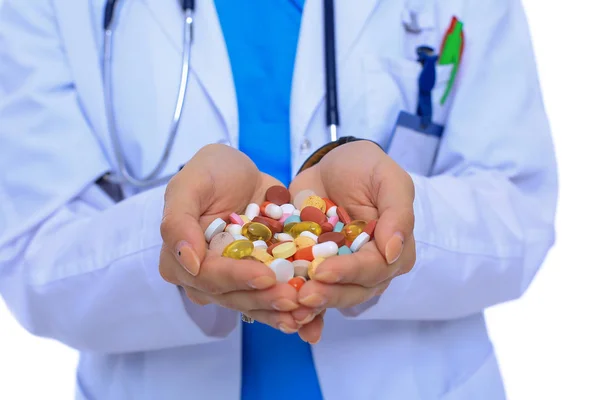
81,259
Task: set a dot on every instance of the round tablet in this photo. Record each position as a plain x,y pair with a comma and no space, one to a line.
326,227
284,270
301,196
215,227
220,241
313,214
336,237
278,195
272,246
359,242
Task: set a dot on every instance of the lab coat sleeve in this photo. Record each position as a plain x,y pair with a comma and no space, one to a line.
484,221
75,266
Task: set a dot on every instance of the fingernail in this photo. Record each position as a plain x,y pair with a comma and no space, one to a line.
188,258
327,277
314,300
306,320
262,282
284,305
286,329
316,341
393,248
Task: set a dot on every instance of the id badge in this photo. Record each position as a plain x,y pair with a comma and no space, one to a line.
413,146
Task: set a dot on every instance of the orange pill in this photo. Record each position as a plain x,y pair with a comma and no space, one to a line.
305,253
370,228
297,282
313,214
328,203
343,215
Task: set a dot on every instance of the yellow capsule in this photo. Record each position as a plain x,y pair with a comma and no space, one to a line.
262,256
249,258
353,229
305,226
312,268
245,219
256,231
288,227
284,250
238,249
315,201
304,241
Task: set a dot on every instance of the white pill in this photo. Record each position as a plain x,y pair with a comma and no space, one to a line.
360,241
288,208
310,235
284,270
273,211
234,229
252,211
215,227
240,237
284,237
296,212
332,211
301,268
325,249
260,244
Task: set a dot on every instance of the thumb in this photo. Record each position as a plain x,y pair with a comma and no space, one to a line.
180,227
394,202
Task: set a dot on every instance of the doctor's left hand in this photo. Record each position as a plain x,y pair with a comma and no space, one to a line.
217,181
369,185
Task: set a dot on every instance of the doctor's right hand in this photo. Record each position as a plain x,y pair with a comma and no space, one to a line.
217,181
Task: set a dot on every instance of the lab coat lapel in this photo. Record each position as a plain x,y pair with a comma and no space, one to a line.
308,88
81,46
209,61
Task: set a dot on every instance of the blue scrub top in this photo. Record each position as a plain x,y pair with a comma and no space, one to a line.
261,38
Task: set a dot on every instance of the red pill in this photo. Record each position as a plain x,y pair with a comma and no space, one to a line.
336,237
278,195
343,215
326,227
274,225
313,214
297,282
370,228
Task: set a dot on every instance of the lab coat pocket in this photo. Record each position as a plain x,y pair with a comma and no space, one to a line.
392,88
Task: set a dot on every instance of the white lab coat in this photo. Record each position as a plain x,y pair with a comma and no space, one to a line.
78,268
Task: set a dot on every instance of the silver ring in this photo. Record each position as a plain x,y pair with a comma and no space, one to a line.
247,319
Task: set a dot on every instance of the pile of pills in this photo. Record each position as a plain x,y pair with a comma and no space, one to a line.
291,237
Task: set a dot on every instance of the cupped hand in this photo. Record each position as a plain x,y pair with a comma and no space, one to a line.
368,184
216,182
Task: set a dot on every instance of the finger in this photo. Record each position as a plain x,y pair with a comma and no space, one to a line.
312,332
394,197
180,228
367,268
281,297
276,319
318,295
196,296
303,315
221,275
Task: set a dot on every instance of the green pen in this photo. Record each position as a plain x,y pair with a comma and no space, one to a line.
451,54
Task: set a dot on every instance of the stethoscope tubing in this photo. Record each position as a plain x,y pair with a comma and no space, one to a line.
125,176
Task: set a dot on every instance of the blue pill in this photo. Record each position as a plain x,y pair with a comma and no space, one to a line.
338,227
291,218
344,250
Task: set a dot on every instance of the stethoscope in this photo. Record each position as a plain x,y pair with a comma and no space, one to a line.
125,176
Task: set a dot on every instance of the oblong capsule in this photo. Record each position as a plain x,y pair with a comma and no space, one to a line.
257,231
309,226
353,229
238,249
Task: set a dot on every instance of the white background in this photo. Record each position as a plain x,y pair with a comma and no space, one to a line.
548,342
